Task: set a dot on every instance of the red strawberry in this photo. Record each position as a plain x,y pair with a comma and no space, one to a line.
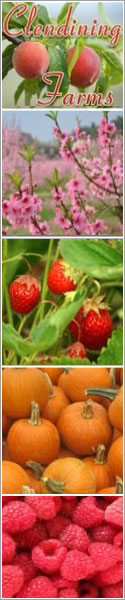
92,326
62,278
77,350
24,293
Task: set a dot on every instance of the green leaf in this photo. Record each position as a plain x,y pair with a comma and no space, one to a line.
64,360
58,61
113,59
103,14
43,15
12,340
78,49
61,317
19,91
95,257
14,22
113,353
7,56
64,11
101,85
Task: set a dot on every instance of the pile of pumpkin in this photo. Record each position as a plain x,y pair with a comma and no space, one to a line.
62,430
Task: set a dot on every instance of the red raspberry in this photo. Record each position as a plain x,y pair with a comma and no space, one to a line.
38,587
57,525
17,515
114,513
75,537
87,590
109,576
24,561
6,499
45,507
102,533
31,537
48,556
87,514
61,582
113,591
8,548
68,507
77,350
61,278
94,329
118,539
12,581
103,553
24,293
68,593
77,565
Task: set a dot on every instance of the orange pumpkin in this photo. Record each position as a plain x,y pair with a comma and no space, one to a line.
34,439
118,489
21,387
56,403
69,476
65,452
33,482
13,478
101,468
121,376
116,434
118,371
83,426
6,422
74,382
116,410
115,457
53,372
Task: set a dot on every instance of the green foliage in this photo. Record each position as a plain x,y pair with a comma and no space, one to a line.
113,353
94,257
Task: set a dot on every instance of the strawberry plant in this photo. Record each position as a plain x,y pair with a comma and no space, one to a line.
51,53
77,315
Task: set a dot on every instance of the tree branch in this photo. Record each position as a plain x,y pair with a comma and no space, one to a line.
11,39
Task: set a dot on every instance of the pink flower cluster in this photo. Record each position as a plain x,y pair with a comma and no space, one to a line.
21,211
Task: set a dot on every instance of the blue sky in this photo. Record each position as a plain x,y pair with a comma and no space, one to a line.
39,126
86,11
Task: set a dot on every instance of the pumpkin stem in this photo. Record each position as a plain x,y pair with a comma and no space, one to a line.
119,485
27,490
112,375
54,485
51,390
35,466
35,414
100,458
104,392
88,409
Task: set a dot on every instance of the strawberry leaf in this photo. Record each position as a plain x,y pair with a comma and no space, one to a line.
113,353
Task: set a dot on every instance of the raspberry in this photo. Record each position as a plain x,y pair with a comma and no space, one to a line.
102,533
45,508
24,561
57,525
31,537
87,590
77,565
38,587
109,576
8,548
49,555
104,554
6,499
74,537
12,581
68,593
118,539
114,513
113,591
69,506
17,515
60,582
87,514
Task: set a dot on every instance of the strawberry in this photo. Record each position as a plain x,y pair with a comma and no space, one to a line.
77,350
62,277
24,293
92,325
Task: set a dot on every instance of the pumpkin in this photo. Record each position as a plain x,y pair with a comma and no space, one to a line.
121,376
13,478
101,468
118,489
20,388
33,439
5,453
115,410
57,401
115,457
33,482
69,476
6,422
116,434
118,375
65,452
53,372
74,382
83,426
